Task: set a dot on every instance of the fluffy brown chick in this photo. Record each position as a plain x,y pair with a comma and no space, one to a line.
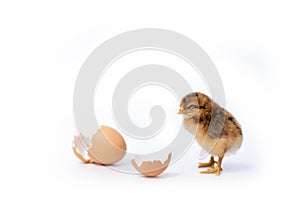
215,129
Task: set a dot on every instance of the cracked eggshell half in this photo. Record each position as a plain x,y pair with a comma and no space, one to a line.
152,168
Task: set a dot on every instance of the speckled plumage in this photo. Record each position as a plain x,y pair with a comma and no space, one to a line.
215,129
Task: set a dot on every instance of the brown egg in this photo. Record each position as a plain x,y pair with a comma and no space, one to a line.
107,147
152,168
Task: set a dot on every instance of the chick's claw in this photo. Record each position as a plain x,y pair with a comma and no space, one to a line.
216,171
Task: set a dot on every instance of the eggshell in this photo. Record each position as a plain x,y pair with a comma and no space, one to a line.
152,168
79,149
108,146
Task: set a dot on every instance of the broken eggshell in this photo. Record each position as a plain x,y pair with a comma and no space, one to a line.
107,147
79,149
152,168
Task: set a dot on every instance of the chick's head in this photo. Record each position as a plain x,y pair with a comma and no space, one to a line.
193,104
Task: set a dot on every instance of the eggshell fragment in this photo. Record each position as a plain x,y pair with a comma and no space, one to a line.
107,147
152,168
79,150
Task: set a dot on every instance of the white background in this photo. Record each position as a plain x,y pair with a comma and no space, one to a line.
254,44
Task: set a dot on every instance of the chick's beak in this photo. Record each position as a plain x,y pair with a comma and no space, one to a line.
180,111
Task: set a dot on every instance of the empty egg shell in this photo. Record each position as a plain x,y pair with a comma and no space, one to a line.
107,147
152,168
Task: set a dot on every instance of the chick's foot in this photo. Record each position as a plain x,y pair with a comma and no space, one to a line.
216,171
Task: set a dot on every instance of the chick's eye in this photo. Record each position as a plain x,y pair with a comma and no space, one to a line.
191,107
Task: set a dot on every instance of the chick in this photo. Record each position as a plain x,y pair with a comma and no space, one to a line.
215,129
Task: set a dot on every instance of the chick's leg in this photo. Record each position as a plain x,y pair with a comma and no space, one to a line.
216,170
211,163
